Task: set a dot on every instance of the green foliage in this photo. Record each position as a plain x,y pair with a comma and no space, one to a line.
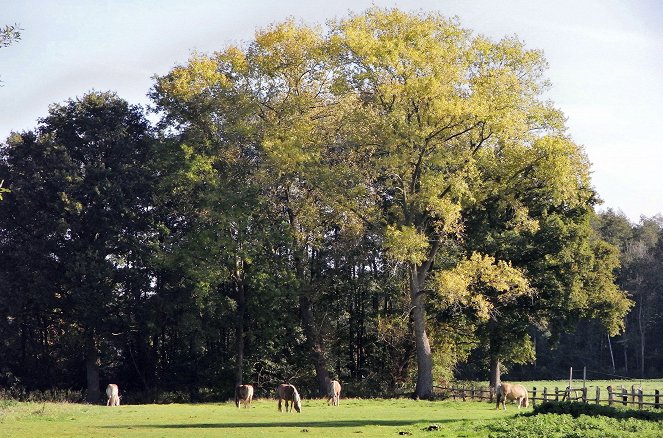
577,409
406,244
317,200
568,426
482,284
9,34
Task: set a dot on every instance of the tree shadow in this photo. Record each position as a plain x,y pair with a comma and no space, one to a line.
298,423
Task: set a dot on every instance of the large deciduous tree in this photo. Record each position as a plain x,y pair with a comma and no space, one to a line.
444,103
82,184
411,126
272,103
535,213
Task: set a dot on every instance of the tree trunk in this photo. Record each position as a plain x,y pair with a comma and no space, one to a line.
612,356
313,340
314,344
642,338
92,370
495,373
494,352
239,332
424,388
625,360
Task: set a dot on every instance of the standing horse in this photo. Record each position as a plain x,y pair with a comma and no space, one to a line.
289,394
113,394
243,395
507,391
334,392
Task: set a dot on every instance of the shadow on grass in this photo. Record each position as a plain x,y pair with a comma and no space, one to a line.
302,423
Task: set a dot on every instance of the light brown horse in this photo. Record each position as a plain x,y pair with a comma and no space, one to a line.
243,395
334,392
507,391
289,394
113,394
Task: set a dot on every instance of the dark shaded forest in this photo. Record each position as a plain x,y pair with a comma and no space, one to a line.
319,205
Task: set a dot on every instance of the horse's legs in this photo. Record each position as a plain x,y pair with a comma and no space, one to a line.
280,407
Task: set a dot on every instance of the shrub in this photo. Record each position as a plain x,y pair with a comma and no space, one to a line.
567,426
576,409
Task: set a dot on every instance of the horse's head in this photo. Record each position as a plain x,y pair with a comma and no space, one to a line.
297,402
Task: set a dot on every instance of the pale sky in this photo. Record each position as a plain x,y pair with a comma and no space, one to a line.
605,56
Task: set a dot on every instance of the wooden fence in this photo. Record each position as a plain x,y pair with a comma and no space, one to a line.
611,396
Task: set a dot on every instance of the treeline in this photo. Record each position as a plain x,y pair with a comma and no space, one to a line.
387,201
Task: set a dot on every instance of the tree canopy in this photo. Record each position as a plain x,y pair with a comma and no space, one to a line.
377,200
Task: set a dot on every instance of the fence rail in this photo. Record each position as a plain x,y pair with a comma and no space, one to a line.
634,397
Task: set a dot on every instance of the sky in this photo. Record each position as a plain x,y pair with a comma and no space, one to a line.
605,57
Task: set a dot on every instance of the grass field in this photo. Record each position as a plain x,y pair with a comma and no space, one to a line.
354,417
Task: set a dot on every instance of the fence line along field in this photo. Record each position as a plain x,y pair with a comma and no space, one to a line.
638,395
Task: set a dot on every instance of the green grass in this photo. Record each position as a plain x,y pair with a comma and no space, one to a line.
355,417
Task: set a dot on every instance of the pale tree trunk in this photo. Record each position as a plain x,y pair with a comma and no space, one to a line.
641,329
612,356
495,373
424,388
315,346
92,369
240,290
494,352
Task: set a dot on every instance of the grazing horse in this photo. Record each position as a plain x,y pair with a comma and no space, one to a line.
334,392
243,395
507,391
289,394
113,393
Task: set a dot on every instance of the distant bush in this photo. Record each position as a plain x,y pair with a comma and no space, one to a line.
20,394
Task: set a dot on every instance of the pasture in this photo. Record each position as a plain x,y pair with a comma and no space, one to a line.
354,417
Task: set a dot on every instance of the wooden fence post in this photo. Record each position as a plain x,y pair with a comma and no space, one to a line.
545,394
534,396
624,396
657,399
556,394
598,395
584,394
611,395
641,399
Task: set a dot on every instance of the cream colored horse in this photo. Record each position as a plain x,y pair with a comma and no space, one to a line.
507,391
289,394
334,392
113,394
243,395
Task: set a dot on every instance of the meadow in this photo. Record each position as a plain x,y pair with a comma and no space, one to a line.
354,417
